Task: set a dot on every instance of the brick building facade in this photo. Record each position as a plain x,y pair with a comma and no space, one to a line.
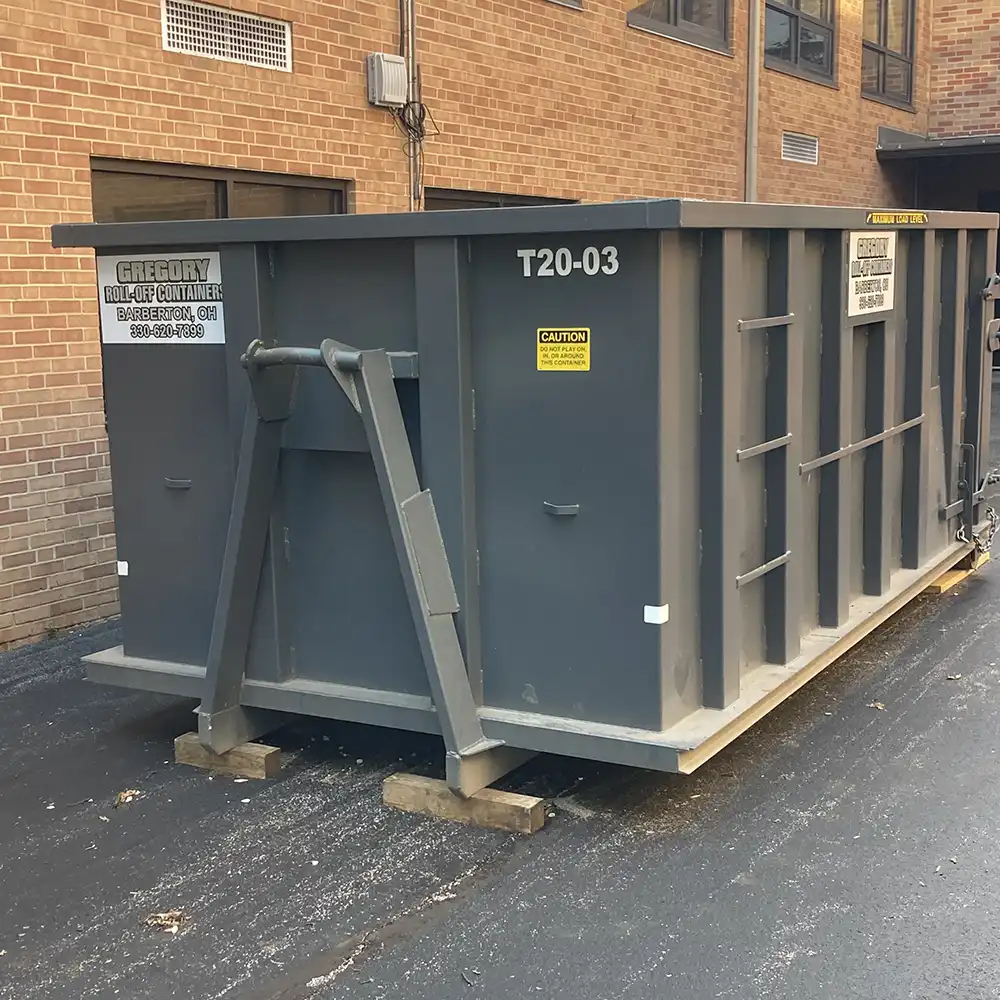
579,100
955,164
965,94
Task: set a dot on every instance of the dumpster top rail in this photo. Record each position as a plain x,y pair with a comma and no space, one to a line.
667,213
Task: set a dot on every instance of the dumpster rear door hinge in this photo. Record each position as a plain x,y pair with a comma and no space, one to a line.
967,494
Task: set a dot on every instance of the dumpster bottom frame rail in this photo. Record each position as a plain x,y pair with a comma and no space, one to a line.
681,748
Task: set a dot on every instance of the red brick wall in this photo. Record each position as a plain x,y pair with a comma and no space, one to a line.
537,98
530,97
965,80
82,79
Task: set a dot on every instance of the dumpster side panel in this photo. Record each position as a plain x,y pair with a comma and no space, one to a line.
680,399
343,614
349,617
659,525
172,473
358,293
269,652
564,587
447,415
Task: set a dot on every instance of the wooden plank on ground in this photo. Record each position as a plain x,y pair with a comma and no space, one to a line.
953,577
487,808
249,760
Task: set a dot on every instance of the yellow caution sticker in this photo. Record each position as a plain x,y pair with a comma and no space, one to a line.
896,219
564,349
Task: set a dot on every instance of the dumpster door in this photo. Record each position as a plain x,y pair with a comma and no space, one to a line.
566,381
168,426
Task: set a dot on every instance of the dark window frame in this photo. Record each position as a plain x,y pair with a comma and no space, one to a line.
225,179
795,66
489,199
679,30
881,50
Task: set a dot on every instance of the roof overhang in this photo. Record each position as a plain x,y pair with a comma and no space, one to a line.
893,144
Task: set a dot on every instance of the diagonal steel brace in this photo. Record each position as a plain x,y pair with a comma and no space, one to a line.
223,722
367,381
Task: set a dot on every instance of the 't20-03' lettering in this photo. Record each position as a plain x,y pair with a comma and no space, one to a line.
546,263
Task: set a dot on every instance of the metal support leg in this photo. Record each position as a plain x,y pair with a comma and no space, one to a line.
473,761
222,722
467,775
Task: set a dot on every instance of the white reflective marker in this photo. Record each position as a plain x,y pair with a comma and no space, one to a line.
656,615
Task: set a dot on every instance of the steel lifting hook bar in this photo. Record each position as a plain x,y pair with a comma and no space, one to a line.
402,363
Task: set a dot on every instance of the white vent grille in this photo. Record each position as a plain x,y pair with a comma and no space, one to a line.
800,148
201,29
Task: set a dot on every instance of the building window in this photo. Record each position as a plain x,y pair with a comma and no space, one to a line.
798,36
441,199
701,22
887,51
132,191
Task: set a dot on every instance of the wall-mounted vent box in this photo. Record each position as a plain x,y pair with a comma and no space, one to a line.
386,80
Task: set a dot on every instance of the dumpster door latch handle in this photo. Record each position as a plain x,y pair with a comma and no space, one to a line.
992,290
561,509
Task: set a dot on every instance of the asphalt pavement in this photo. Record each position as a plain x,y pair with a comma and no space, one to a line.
836,850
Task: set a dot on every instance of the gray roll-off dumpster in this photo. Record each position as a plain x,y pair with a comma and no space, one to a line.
607,481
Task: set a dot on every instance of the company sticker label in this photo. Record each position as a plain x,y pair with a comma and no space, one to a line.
167,298
871,276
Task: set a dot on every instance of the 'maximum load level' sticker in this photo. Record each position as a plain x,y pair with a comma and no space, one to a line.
564,349
896,219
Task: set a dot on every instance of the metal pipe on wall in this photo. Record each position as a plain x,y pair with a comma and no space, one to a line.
408,50
753,100
412,97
